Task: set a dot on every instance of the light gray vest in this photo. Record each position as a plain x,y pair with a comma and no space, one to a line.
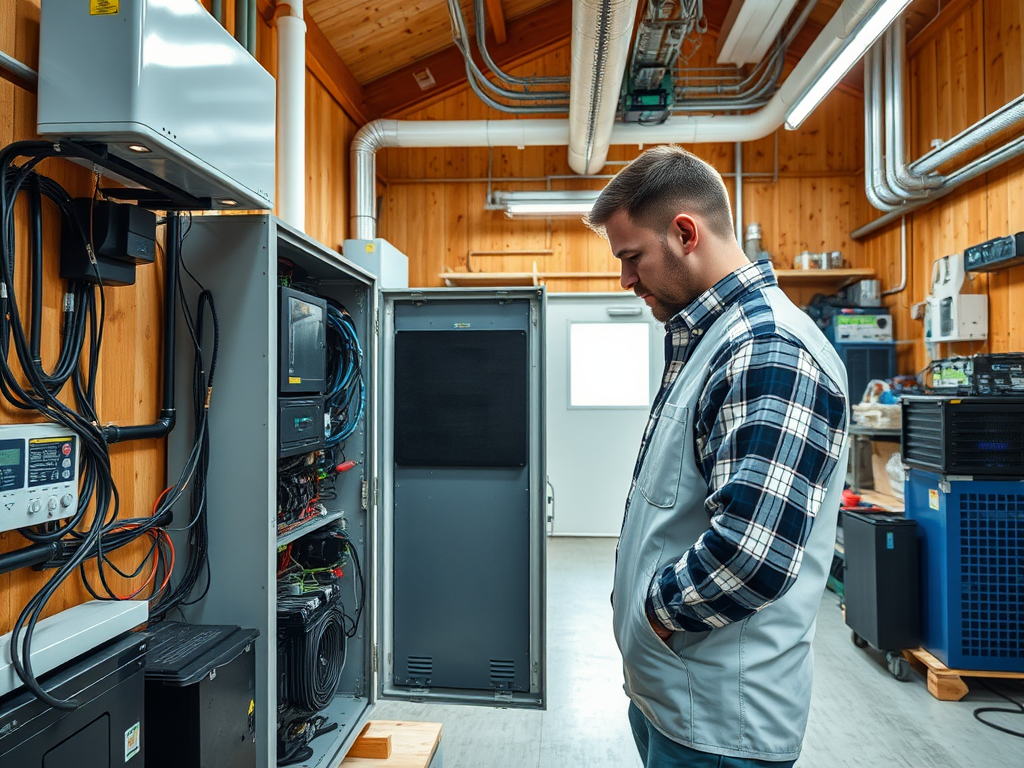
742,690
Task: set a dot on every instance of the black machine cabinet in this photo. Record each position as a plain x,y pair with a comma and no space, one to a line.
201,697
107,728
881,582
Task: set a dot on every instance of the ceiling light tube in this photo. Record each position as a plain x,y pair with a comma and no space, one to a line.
544,204
862,38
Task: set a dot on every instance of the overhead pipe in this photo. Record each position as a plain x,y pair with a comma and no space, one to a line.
1002,119
901,181
555,132
291,113
875,185
601,30
481,43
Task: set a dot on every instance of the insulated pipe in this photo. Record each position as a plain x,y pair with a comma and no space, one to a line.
982,165
601,30
1007,116
901,180
291,114
877,190
547,133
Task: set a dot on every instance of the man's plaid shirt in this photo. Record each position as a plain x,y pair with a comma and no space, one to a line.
769,428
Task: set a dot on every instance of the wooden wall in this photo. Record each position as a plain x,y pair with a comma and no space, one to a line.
129,389
433,203
129,373
967,64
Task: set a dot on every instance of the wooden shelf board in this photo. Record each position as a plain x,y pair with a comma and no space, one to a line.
519,278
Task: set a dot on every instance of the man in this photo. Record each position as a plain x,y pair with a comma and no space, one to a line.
731,517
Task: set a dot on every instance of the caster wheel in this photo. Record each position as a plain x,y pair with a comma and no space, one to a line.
859,641
899,667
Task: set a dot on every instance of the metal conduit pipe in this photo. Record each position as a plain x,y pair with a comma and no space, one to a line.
738,151
555,132
21,75
877,190
250,30
601,30
903,260
242,22
902,181
1004,118
481,43
982,165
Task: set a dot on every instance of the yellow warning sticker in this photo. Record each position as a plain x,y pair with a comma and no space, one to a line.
252,706
371,247
933,498
103,7
294,379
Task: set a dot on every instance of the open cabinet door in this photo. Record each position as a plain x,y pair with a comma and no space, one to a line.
461,497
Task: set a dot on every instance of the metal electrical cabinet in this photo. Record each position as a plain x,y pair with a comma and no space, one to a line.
445,503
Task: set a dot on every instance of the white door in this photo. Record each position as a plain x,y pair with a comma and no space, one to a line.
605,357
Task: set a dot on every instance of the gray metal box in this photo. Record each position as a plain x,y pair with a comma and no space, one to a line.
380,257
164,76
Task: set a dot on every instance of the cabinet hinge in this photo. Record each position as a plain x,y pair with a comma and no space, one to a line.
376,654
364,497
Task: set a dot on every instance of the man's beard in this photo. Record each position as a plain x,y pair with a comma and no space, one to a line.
664,309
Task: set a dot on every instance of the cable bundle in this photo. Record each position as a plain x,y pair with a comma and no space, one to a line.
84,307
312,645
345,398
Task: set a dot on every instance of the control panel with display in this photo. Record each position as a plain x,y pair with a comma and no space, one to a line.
38,474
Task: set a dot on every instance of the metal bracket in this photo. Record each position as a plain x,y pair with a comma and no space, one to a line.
364,496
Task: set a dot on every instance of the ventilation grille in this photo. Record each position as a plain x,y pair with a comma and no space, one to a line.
502,671
992,575
419,666
968,436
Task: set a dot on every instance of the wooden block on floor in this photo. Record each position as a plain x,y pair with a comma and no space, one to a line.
375,745
412,745
947,684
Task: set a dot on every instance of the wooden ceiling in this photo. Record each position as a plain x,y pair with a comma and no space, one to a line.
384,42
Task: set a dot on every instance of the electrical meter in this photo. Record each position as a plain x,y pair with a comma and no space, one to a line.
38,474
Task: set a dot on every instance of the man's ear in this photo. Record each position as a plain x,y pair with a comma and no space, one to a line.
685,228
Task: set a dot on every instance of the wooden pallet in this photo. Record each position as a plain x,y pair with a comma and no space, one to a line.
394,744
947,684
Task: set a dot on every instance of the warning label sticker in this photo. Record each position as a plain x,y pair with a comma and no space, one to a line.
131,742
103,7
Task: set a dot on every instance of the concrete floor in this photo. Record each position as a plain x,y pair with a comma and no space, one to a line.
860,716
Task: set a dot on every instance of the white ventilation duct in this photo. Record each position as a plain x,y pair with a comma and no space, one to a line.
749,29
291,114
690,129
600,49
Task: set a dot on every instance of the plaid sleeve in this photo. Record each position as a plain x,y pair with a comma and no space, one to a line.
769,432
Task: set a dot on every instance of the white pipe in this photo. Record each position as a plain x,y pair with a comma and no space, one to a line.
291,114
600,49
738,151
689,129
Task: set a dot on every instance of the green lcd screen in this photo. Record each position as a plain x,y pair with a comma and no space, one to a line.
10,457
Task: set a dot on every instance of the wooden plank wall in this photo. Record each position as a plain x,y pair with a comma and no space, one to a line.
129,372
967,64
433,203
129,384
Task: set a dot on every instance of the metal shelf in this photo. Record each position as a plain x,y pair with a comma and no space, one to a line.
835,279
308,526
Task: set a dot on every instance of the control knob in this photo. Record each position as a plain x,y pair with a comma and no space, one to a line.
67,500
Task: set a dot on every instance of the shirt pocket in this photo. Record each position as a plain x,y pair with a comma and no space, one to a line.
663,463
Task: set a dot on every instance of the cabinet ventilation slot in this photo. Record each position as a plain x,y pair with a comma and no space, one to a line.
419,666
502,670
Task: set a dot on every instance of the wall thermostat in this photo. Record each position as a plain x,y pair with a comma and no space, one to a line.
38,474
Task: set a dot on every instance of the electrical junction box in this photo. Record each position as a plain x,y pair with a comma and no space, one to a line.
167,89
38,474
949,314
380,258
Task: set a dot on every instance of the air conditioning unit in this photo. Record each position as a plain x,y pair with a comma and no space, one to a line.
167,90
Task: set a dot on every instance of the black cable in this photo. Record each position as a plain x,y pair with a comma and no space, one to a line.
1018,709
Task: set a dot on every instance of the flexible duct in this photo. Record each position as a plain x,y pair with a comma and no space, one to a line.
600,50
547,133
291,114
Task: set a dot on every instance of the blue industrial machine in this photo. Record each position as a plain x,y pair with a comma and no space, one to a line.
863,338
971,536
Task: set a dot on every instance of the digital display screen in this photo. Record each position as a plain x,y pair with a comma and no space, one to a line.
10,457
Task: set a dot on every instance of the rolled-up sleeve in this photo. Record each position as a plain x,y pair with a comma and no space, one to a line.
769,431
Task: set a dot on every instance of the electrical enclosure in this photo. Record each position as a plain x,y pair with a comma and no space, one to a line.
432,526
164,77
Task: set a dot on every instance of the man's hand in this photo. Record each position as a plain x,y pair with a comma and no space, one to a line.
659,630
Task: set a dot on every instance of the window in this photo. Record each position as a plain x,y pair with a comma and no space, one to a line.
609,365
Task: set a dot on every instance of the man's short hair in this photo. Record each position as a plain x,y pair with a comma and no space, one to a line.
663,182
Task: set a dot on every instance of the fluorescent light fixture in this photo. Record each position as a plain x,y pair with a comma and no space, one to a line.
139,148
862,38
544,204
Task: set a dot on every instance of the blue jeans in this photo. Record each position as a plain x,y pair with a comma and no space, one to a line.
657,751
